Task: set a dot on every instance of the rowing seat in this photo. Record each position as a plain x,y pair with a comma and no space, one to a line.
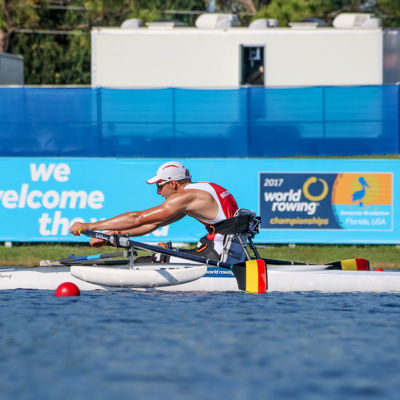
239,232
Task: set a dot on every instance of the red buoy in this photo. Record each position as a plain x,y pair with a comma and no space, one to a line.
378,269
67,289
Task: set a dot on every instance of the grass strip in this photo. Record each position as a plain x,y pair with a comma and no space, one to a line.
384,256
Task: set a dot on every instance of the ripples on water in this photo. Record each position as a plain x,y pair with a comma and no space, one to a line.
154,345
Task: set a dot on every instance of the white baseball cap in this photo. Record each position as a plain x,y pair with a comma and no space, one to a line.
170,171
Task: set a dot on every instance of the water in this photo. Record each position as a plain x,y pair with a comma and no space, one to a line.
153,345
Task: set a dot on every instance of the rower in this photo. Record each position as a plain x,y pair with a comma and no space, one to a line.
207,202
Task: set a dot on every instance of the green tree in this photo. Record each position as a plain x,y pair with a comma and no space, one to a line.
286,11
389,11
15,14
54,35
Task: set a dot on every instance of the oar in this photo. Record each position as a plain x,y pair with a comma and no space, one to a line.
73,258
98,262
251,276
352,264
48,263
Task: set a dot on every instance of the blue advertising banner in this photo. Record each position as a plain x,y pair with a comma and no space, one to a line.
348,201
299,200
40,199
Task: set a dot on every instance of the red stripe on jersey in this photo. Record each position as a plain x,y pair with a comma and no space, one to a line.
227,201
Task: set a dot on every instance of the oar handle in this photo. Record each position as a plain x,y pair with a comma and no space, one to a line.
123,241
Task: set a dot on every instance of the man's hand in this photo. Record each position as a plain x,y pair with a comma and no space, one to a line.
97,242
77,226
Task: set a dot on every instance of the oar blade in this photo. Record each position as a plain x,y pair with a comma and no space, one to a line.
359,264
353,264
251,276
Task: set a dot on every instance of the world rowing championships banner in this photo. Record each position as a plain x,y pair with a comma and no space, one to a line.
299,201
350,201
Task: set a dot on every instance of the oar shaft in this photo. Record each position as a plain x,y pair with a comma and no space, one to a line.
282,262
104,255
125,242
353,264
94,256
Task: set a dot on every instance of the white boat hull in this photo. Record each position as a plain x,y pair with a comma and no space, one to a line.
335,281
292,280
196,278
41,278
149,276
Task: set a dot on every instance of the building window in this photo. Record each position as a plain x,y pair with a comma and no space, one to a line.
252,65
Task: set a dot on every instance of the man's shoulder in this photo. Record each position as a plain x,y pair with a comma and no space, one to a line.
181,195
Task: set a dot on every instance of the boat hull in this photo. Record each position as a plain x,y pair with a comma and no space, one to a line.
148,276
293,280
197,278
41,278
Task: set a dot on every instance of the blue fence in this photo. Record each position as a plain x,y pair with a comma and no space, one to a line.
246,122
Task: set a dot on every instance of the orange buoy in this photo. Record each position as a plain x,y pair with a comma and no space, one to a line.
67,289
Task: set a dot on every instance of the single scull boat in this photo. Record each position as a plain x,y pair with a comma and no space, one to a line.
196,273
195,277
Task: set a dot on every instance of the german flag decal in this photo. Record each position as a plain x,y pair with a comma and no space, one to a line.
256,276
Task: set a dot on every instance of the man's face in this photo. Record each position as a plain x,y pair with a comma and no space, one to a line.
164,188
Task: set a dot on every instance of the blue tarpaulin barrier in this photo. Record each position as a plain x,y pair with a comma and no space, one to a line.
246,122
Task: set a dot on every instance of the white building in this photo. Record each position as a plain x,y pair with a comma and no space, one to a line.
215,54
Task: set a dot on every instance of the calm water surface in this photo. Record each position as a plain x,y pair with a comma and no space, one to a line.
153,345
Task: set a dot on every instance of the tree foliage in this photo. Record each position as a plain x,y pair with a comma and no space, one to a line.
389,11
286,11
15,14
54,35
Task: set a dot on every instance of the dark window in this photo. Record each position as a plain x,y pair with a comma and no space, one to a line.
252,65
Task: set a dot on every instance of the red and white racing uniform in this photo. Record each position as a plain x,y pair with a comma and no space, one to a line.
227,207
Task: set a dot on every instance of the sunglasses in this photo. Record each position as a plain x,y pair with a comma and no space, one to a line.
161,184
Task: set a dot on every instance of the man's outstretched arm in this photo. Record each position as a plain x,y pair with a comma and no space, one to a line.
139,222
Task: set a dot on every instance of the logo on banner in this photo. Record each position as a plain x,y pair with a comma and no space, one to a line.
350,201
363,201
